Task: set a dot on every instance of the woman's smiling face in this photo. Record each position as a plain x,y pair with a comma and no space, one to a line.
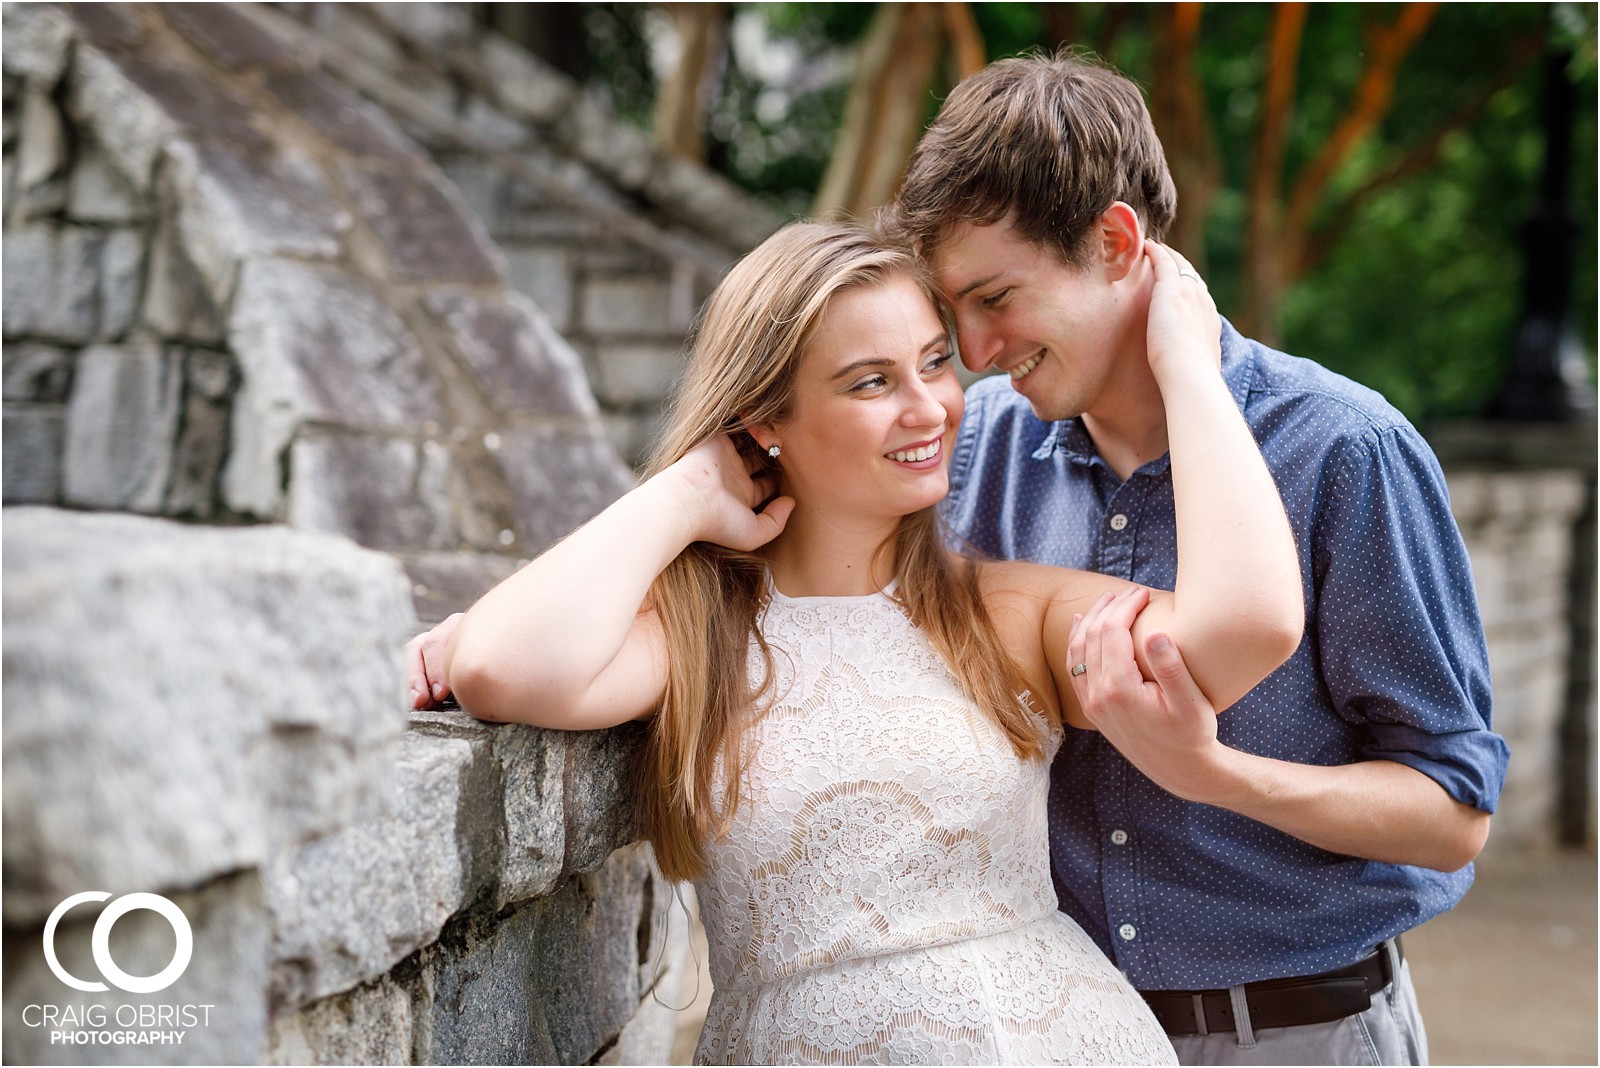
875,406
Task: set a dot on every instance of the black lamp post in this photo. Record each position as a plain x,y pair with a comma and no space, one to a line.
1549,377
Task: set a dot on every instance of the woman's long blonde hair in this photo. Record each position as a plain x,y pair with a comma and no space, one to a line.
745,351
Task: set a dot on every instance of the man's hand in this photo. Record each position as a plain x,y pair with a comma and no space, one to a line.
425,664
1165,728
1375,809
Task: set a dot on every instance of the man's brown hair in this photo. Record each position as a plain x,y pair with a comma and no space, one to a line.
1049,140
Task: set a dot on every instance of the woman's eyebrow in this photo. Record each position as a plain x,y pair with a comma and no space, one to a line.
883,361
856,365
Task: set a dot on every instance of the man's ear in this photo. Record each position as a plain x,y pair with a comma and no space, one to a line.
1121,240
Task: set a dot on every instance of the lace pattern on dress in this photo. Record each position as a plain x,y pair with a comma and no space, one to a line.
883,893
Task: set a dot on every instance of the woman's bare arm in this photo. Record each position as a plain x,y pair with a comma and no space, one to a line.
568,640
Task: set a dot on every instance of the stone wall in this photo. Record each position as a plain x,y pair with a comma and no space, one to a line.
215,715
1524,496
239,295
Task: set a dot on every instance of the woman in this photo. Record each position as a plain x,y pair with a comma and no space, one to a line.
851,725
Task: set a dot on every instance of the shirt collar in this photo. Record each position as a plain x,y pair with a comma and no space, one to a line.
1070,437
1238,363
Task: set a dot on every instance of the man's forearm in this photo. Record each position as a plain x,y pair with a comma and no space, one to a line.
1376,809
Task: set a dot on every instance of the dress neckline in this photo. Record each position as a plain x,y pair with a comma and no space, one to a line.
777,596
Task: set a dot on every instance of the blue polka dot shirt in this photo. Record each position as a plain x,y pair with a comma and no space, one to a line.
1393,666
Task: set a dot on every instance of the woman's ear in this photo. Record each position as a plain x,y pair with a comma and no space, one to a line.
764,435
1121,240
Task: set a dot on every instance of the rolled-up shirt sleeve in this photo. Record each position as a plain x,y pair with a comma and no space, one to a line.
1399,634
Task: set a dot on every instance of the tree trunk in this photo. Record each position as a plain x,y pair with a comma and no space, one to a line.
888,99
1178,109
684,103
966,40
1265,263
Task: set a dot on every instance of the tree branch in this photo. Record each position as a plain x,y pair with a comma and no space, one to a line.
1371,101
1422,155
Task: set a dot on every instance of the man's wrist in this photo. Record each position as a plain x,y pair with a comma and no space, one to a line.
1223,778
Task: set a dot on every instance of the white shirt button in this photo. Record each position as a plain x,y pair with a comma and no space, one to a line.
1119,521
1119,837
1127,931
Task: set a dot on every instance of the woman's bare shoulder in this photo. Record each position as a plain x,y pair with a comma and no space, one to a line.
1008,580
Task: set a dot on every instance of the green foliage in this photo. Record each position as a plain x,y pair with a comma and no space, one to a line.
1010,28
820,25
775,142
619,50
1419,296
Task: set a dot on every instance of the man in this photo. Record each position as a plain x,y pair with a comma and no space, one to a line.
1250,874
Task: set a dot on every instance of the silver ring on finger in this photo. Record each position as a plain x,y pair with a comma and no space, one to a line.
1079,669
1184,272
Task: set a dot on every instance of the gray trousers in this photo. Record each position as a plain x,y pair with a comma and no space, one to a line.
1389,1032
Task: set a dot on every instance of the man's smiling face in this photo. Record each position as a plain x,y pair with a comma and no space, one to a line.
1055,328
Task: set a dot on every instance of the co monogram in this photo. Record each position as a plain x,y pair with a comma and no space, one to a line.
101,942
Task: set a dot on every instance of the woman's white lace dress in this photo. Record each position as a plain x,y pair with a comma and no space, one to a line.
883,895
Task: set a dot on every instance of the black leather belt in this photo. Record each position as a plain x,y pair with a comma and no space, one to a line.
1276,1002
